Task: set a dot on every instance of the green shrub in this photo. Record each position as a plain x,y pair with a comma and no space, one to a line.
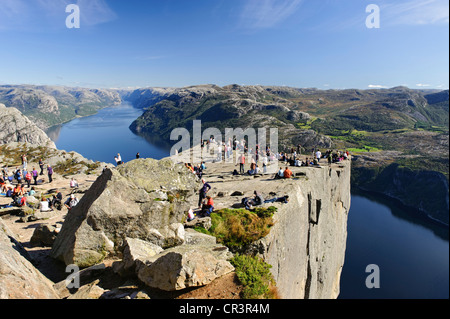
254,274
236,228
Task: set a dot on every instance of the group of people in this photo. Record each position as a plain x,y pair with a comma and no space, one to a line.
14,185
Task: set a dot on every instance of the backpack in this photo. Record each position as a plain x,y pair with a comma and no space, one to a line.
9,193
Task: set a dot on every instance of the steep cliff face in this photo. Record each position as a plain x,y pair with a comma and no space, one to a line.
306,247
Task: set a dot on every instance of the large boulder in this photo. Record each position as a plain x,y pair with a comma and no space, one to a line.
19,279
186,266
137,200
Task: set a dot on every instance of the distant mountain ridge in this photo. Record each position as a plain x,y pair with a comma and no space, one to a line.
47,106
332,111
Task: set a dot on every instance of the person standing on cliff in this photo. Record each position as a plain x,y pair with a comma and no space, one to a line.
41,166
241,161
50,173
202,193
35,175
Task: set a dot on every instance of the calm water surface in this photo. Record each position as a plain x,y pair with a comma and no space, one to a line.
100,137
411,253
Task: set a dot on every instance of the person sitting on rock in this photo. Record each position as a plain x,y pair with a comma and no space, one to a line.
17,192
56,201
191,216
44,205
208,207
280,174
258,199
73,183
287,173
203,191
71,202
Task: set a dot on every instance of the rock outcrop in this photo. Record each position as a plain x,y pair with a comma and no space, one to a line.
15,127
142,199
306,247
19,279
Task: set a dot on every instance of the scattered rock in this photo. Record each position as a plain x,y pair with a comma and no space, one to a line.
204,222
43,236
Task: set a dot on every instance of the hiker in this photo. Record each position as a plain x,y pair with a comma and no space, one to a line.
71,202
265,163
280,174
241,160
28,177
56,201
17,193
50,173
18,176
35,176
2,184
44,205
287,173
73,183
284,199
24,162
118,159
138,156
258,199
6,187
203,191
198,171
191,216
41,166
208,207
31,192
318,156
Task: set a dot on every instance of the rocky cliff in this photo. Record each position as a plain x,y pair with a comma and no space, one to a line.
19,279
47,106
306,247
15,127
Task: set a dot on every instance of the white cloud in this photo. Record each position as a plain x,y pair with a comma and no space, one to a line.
415,12
377,86
262,14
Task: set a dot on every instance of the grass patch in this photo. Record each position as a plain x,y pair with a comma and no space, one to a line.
364,149
236,228
255,276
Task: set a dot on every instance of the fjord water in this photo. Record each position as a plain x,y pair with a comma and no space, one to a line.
412,253
102,136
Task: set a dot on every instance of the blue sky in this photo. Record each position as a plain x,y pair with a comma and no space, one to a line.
299,43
